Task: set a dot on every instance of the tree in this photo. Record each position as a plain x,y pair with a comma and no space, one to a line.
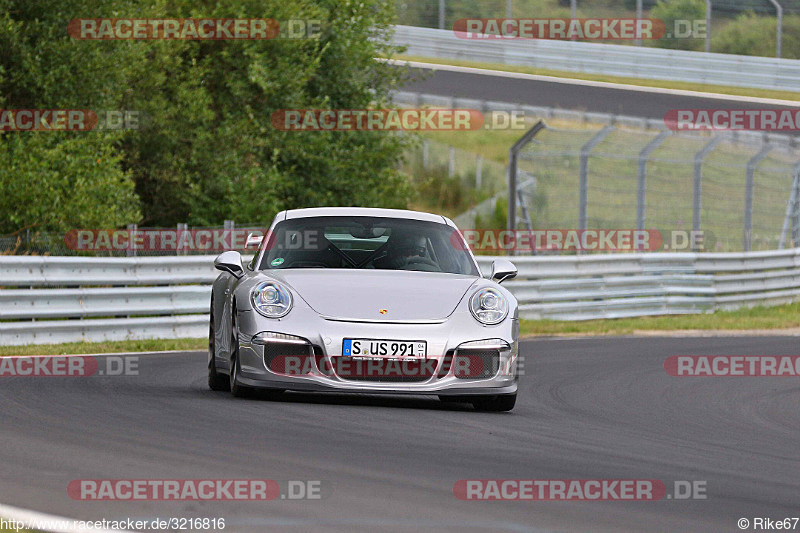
670,11
755,35
206,149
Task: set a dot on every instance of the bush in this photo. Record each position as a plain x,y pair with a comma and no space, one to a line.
755,35
206,150
669,11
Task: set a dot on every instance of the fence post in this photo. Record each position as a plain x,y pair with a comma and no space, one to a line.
513,154
451,163
638,40
779,33
509,10
425,149
478,172
583,179
748,196
642,177
182,227
796,216
792,218
132,228
441,14
229,225
697,186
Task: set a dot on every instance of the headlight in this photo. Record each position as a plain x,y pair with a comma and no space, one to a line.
489,306
271,299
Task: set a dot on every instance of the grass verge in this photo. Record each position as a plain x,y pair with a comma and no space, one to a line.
150,345
679,85
754,318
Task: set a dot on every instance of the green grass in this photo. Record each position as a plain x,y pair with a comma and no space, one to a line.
777,317
491,144
152,345
686,86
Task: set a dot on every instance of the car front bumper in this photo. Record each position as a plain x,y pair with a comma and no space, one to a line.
449,342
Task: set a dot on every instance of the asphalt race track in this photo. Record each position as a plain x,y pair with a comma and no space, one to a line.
588,409
566,95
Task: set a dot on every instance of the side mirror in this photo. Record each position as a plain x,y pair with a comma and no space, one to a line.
230,262
502,269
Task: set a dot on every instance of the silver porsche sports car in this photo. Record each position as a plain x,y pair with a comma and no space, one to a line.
360,300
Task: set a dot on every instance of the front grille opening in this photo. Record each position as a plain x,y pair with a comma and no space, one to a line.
382,370
288,358
476,363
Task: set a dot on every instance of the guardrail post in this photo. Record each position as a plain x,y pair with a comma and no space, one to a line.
642,177
748,196
583,182
697,186
513,155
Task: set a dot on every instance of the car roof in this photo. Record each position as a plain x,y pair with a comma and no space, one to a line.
363,212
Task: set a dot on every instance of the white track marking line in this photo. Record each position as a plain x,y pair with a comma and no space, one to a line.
29,518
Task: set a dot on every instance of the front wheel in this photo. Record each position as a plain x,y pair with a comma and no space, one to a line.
500,402
237,389
216,381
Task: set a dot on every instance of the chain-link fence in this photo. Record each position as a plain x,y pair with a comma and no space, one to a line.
741,195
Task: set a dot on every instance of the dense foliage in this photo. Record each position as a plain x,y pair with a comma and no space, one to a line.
752,34
205,150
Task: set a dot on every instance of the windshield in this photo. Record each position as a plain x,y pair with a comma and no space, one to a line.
367,243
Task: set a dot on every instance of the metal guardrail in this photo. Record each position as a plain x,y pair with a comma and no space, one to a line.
59,299
607,59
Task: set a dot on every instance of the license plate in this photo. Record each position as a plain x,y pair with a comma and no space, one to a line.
384,348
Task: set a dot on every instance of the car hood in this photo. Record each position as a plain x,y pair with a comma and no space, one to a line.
362,294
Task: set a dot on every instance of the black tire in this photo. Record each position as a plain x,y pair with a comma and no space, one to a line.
501,402
237,389
216,381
